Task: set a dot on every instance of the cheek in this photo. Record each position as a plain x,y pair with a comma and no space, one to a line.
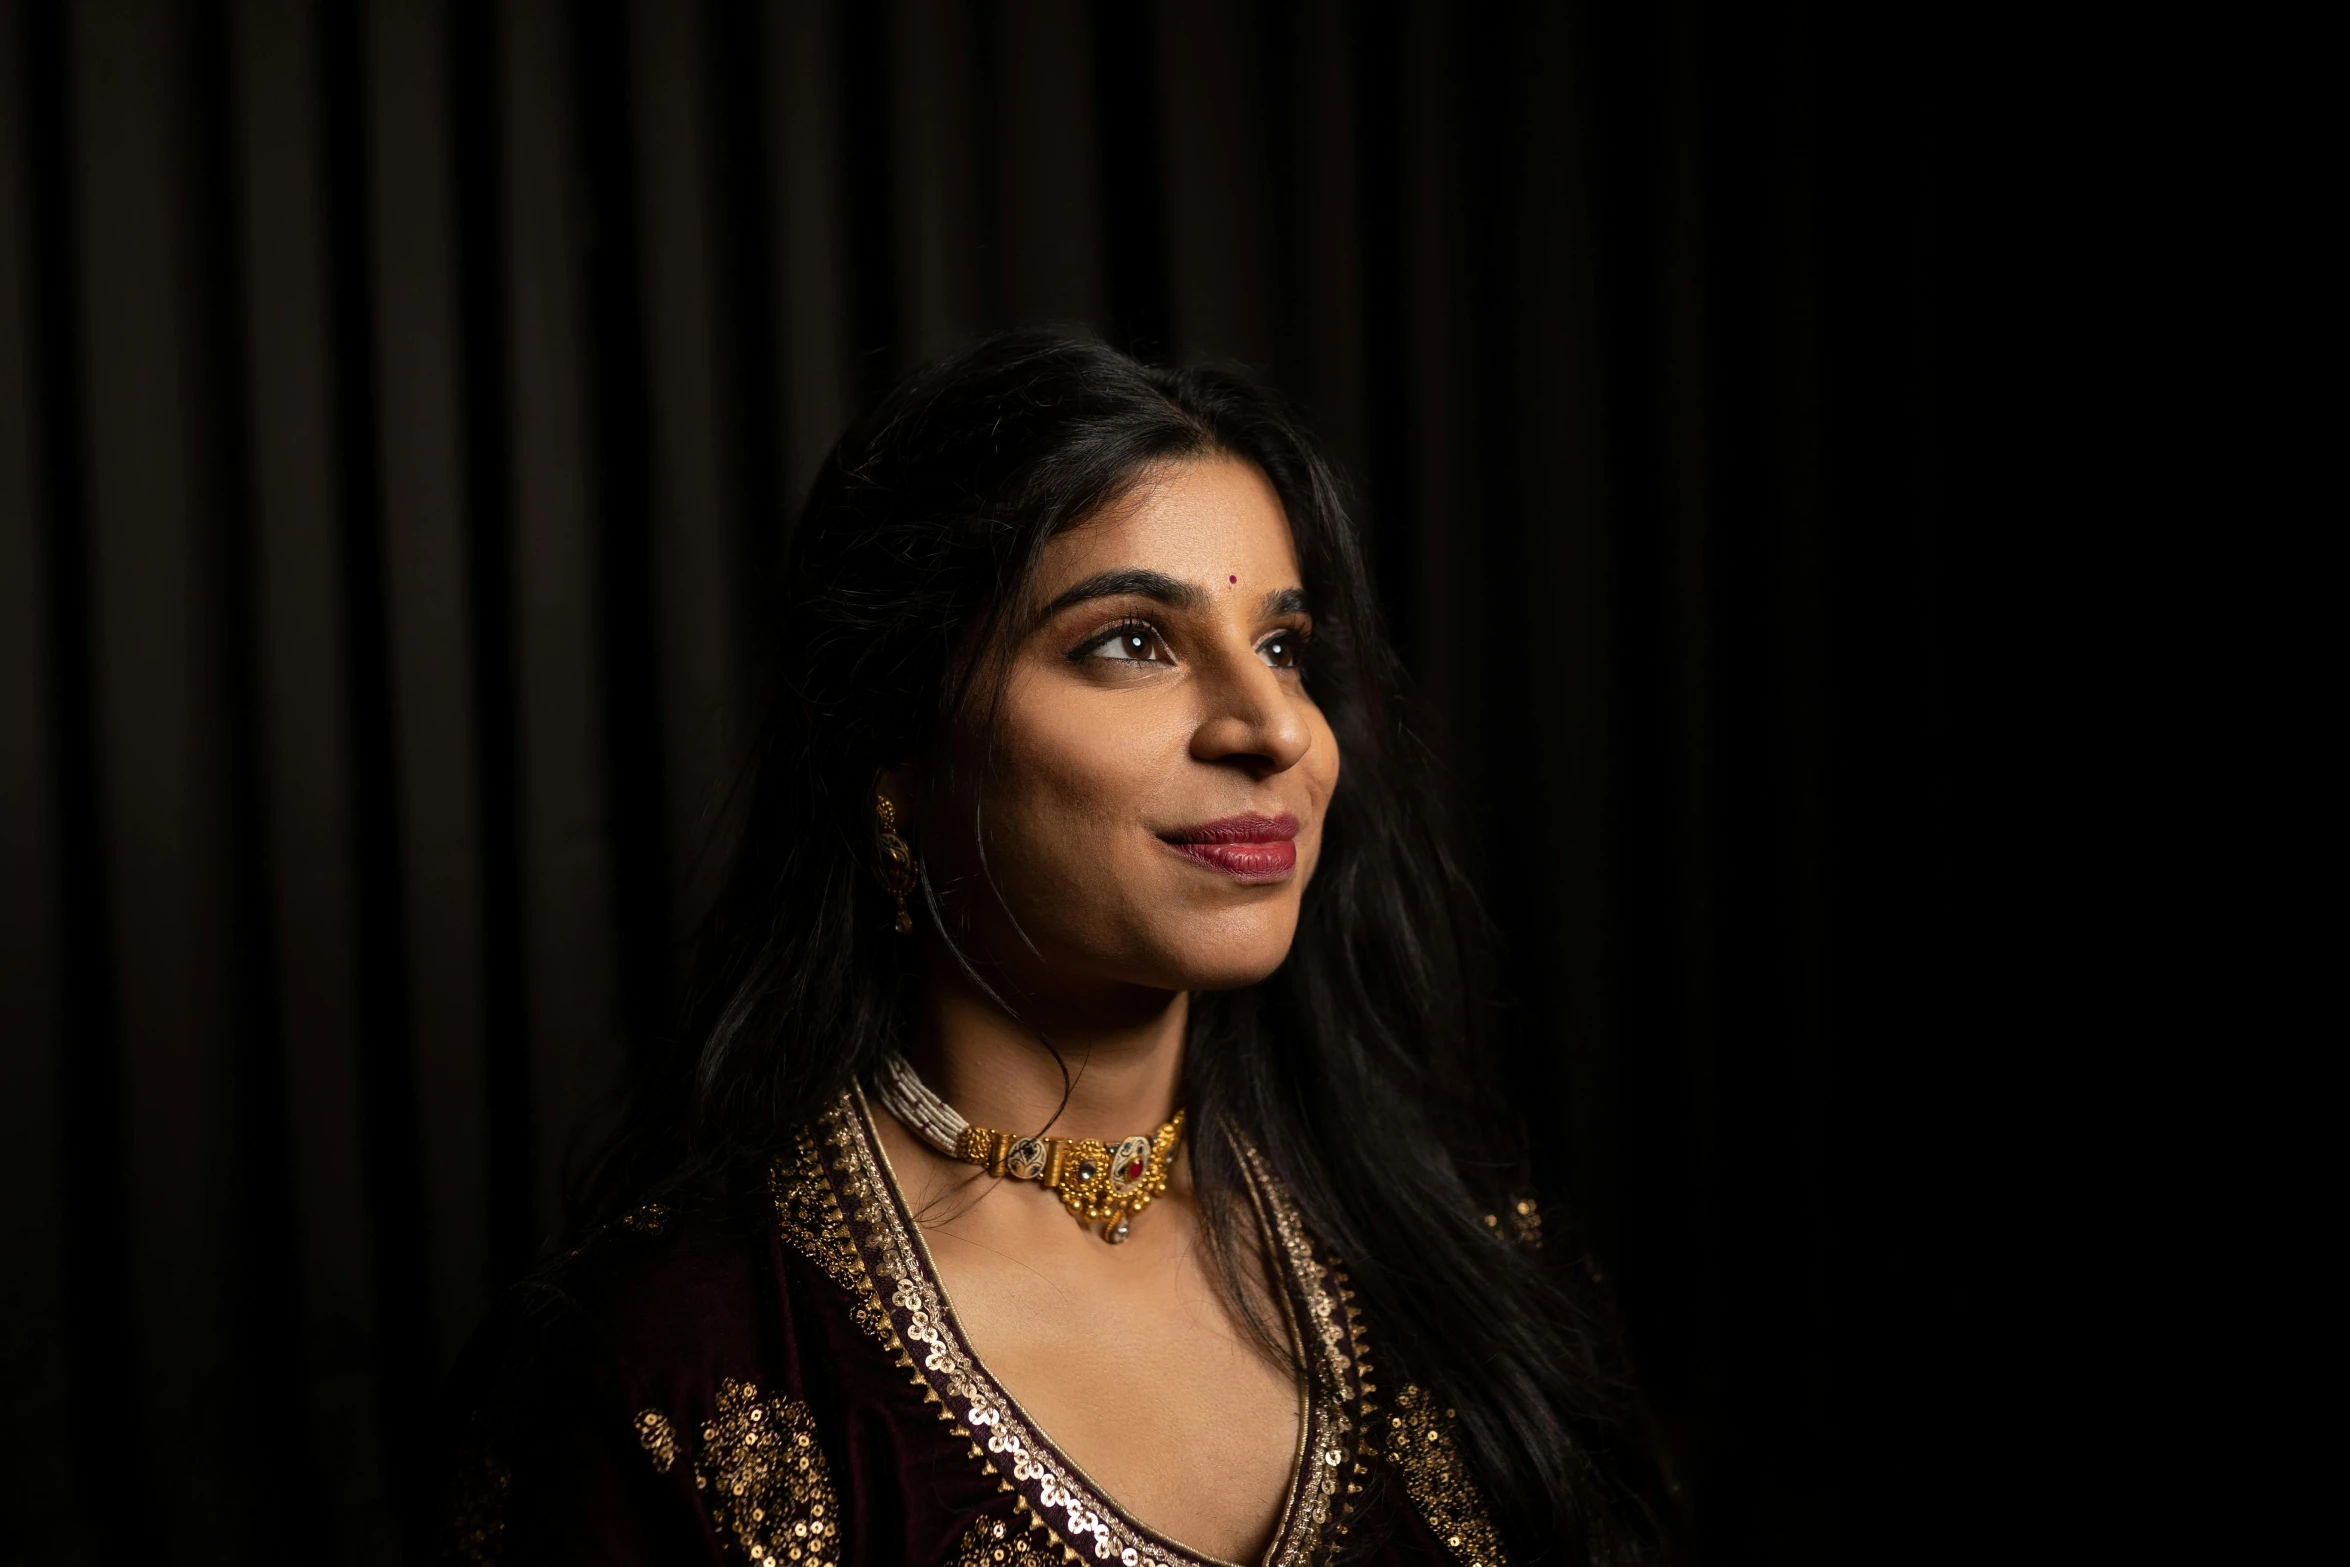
1068,787
1325,761
1319,772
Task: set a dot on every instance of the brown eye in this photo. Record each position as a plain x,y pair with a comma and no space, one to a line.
1132,643
1283,650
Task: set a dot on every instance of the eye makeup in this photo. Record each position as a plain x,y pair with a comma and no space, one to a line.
1123,642
1138,641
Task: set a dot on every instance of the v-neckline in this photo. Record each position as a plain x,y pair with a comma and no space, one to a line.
1009,1443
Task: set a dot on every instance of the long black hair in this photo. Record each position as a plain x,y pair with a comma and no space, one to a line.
1356,1069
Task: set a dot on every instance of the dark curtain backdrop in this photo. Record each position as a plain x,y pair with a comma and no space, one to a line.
403,404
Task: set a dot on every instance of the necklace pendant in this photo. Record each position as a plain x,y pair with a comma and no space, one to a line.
1025,1158
1104,1184
1128,1162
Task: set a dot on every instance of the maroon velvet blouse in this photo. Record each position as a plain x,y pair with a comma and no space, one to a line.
786,1385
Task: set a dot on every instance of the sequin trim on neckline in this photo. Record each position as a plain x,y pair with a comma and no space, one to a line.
1000,1438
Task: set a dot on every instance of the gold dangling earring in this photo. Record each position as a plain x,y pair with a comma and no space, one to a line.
898,870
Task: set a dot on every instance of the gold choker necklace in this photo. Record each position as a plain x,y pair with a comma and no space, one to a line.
1099,1183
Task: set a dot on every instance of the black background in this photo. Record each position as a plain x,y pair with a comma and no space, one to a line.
401,404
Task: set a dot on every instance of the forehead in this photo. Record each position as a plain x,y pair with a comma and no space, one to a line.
1204,521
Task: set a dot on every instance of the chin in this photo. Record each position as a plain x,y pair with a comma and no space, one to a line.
1233,963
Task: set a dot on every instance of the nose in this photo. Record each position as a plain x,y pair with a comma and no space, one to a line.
1251,720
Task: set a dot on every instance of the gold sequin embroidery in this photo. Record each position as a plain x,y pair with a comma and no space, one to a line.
477,1510
810,1218
1365,1407
977,1412
1332,1325
650,1219
1419,1443
993,1543
1324,1303
1522,1224
658,1438
769,1487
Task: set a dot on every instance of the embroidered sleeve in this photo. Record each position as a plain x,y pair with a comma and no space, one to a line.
761,1471
546,1470
1419,1443
475,1528
1520,1223
991,1542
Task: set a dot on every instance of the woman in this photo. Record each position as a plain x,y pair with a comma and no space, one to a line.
1078,1142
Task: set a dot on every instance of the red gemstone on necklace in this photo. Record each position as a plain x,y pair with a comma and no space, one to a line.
1133,1169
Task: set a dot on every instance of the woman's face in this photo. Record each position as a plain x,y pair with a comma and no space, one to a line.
1154,805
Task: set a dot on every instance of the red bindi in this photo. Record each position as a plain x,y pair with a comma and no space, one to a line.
1235,581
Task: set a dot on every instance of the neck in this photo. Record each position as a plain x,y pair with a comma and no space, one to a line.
1124,1052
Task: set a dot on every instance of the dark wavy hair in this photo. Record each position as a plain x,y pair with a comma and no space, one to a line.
1356,1069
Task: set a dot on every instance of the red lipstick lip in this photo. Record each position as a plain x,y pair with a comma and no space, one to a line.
1237,829
1247,848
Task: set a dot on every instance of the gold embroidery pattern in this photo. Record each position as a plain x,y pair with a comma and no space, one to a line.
770,1489
810,1218
1359,1352
992,1543
1324,1303
977,1411
657,1437
974,1411
650,1218
477,1510
1522,1224
1334,1325
1420,1445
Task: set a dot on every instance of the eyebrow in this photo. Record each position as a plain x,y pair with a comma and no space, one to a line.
1160,588
1154,585
1288,601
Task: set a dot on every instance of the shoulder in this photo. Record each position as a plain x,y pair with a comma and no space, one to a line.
601,1398
663,1292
